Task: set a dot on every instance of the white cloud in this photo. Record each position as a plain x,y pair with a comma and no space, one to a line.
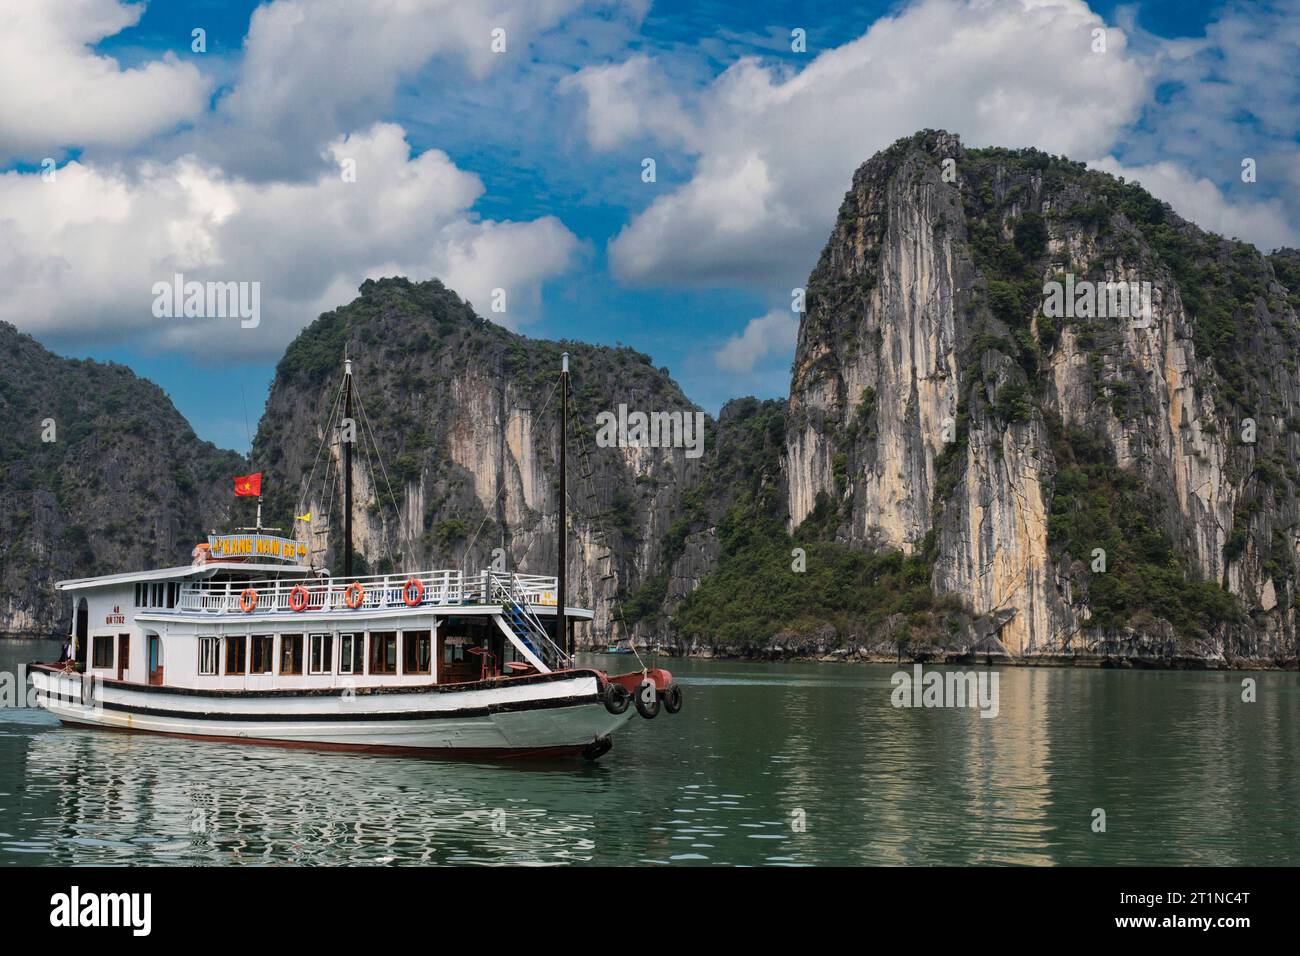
314,68
627,100
81,254
1265,223
777,149
770,335
55,92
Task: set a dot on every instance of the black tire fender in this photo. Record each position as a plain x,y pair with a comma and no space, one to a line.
647,700
616,698
672,698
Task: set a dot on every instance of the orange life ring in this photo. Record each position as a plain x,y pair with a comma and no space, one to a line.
298,598
412,582
360,592
247,600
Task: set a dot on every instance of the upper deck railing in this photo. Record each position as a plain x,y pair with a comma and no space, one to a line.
377,592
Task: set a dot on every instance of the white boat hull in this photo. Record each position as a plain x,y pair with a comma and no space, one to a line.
535,715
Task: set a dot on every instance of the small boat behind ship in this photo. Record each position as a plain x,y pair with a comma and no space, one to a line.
252,644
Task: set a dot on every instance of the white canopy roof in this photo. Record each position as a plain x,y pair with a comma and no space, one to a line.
184,571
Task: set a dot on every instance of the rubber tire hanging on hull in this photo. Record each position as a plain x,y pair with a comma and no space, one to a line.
617,697
648,710
672,698
598,747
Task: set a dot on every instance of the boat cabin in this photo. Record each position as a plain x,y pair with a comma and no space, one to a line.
235,625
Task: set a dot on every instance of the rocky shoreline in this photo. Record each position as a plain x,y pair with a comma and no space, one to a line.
1127,650
967,659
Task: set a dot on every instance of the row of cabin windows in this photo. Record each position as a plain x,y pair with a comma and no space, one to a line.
256,654
157,594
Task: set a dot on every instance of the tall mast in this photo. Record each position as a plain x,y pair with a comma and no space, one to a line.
349,430
561,624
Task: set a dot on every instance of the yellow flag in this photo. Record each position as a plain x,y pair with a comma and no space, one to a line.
306,517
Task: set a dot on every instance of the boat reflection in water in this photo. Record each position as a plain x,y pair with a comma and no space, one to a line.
108,798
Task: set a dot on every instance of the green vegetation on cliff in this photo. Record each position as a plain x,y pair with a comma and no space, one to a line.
1097,505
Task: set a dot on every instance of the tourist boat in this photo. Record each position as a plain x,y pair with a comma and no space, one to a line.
252,644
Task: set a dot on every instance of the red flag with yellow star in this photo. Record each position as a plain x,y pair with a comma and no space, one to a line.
248,486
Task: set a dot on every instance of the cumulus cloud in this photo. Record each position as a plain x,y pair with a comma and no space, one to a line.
314,68
629,100
777,148
770,335
1266,223
81,254
56,93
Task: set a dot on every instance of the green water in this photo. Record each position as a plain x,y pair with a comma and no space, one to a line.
790,764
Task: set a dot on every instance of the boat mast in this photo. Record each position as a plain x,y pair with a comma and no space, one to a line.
349,431
561,625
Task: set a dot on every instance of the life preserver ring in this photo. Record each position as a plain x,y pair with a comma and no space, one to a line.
247,600
298,598
355,588
412,583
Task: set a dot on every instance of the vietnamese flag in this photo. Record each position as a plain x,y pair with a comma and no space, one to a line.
248,486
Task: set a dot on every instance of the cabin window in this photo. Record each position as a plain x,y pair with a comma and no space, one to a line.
290,653
383,652
207,655
139,595
173,592
236,649
453,651
261,653
352,654
102,651
417,652
321,657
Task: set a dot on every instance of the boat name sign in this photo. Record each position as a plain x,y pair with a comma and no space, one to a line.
260,545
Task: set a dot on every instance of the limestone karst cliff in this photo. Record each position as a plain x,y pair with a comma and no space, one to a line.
940,412
466,418
98,473
958,468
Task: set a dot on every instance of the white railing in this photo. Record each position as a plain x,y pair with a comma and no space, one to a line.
377,592
506,589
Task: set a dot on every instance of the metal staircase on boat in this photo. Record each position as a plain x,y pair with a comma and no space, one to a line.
522,622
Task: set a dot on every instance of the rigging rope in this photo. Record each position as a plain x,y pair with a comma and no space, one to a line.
369,433
329,428
585,456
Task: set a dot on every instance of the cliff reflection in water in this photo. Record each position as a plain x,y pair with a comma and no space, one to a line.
777,764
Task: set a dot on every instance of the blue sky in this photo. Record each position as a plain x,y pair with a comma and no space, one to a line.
522,169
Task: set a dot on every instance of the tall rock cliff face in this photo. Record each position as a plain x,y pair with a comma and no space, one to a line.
98,473
961,465
1078,483
465,415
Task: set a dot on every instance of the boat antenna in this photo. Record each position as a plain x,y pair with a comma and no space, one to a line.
561,625
349,432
